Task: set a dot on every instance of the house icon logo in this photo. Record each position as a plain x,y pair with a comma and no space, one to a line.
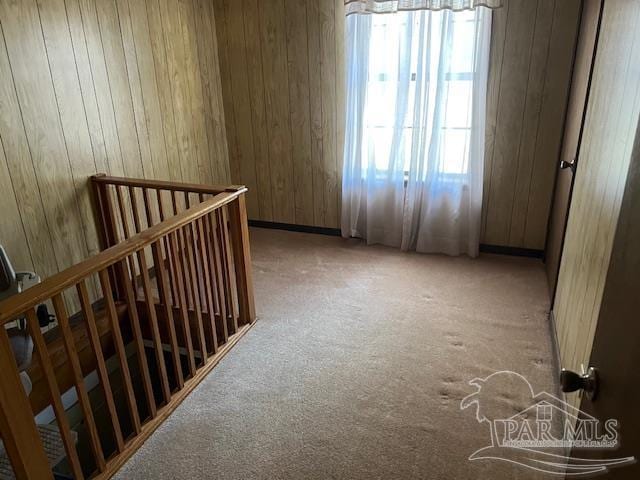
543,429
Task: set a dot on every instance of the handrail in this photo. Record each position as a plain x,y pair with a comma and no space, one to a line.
17,304
167,185
196,305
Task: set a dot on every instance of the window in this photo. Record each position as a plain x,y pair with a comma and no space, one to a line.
394,36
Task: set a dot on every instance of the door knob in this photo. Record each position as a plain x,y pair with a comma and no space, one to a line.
572,381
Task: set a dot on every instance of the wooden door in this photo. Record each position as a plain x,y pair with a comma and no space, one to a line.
607,141
616,345
576,110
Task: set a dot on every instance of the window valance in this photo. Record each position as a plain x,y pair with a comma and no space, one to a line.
390,6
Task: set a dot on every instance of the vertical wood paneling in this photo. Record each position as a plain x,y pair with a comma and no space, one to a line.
329,111
152,112
11,228
134,89
71,108
315,107
500,18
551,122
165,90
45,138
196,100
535,84
298,69
341,101
92,86
174,45
210,78
293,152
533,43
511,106
23,179
281,65
609,132
253,41
87,30
276,85
227,87
240,101
121,99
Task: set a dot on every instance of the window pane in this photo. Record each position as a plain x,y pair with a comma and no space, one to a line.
458,104
454,151
419,35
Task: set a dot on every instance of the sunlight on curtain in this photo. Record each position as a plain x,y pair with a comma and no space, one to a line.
416,95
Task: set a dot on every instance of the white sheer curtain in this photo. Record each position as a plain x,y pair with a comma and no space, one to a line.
414,150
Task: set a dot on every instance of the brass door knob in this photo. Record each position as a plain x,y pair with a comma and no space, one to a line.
572,382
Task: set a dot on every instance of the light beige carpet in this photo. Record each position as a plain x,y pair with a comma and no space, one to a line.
357,366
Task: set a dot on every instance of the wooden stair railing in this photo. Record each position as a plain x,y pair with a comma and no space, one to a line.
177,263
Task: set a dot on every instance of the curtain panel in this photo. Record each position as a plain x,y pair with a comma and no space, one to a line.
415,126
391,6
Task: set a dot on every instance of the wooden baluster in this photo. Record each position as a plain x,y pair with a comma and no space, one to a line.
120,350
17,427
78,378
103,374
42,354
195,244
147,206
153,321
163,289
112,231
194,282
227,271
136,212
208,242
138,339
127,234
182,254
186,330
242,259
220,289
208,288
165,240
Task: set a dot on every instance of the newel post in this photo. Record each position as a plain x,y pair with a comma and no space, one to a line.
239,227
17,426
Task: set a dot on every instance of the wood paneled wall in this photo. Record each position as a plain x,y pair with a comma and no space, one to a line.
125,87
609,133
533,44
282,75
282,83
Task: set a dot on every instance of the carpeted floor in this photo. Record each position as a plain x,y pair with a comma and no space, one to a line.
357,366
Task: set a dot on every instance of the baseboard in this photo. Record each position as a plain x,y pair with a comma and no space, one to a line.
555,354
513,251
334,232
